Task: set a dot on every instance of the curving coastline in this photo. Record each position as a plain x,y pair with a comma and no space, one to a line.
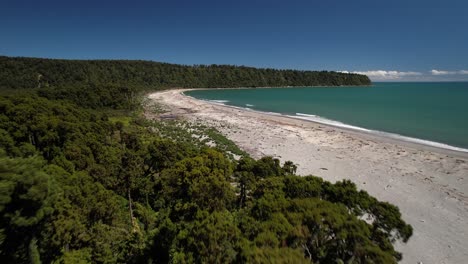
422,142
428,184
400,139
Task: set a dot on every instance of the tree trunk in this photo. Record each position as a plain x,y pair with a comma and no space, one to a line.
130,208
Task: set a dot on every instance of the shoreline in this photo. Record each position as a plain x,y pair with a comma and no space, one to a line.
264,87
420,144
428,184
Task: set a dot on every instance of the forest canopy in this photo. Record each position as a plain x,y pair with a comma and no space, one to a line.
17,72
85,180
116,83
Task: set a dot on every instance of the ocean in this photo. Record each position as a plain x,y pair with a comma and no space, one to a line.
428,113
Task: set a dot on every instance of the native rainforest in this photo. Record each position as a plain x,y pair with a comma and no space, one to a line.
85,177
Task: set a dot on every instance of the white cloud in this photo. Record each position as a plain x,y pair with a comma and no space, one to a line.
434,75
385,75
437,72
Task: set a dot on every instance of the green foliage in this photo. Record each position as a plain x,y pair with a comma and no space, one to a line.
104,76
78,186
277,255
24,203
199,183
211,238
82,256
117,84
197,135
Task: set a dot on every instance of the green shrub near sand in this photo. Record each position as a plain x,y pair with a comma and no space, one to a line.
84,178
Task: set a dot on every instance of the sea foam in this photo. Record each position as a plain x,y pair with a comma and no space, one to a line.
326,121
220,101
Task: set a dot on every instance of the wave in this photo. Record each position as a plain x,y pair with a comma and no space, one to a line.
424,142
224,103
220,101
325,121
249,105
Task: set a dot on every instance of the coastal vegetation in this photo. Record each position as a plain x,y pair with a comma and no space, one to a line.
114,83
84,177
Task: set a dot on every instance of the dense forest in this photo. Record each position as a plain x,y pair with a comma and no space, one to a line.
37,73
85,182
95,80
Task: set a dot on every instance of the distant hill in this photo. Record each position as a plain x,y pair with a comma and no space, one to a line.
115,83
19,72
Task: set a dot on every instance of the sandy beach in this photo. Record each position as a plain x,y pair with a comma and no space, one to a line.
429,185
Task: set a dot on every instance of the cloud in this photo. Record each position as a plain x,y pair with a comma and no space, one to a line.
385,75
432,75
437,72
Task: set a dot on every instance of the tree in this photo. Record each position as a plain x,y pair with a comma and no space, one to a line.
211,238
245,178
199,183
24,203
289,168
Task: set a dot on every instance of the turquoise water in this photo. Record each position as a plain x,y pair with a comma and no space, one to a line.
436,112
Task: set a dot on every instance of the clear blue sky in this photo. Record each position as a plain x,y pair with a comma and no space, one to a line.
395,40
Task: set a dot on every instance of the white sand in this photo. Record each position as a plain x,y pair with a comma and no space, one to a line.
429,185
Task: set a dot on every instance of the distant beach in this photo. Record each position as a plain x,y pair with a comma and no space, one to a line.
427,183
430,113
